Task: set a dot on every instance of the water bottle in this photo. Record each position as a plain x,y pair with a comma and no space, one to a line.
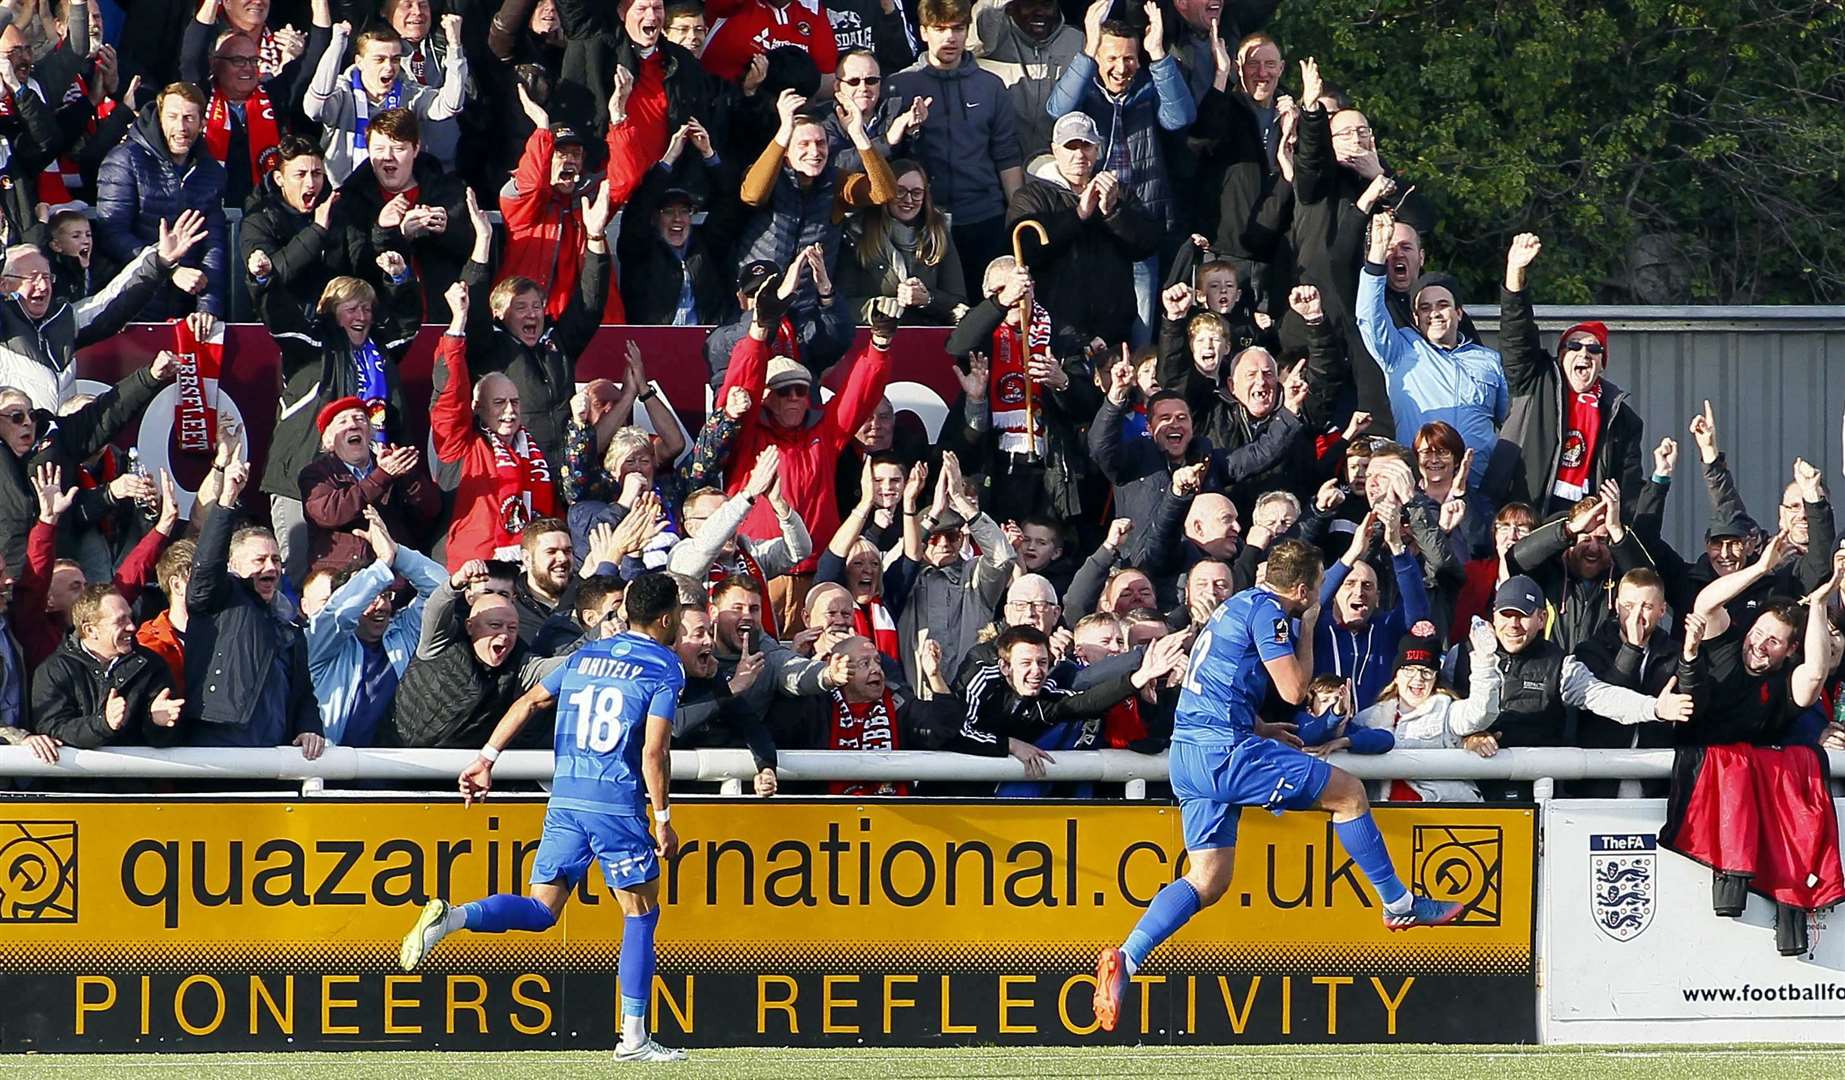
149,503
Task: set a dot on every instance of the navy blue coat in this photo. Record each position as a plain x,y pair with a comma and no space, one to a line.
139,186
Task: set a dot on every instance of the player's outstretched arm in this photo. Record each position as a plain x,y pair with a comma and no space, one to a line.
657,771
477,780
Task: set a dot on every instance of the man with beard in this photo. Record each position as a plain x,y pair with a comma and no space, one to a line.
468,669
715,711
736,618
1577,429
359,640
1357,638
288,235
102,688
1623,683
1531,673
159,172
1028,45
546,585
1577,559
870,713
1433,372
356,475
247,679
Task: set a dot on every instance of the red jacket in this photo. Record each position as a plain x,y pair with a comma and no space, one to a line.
635,145
809,454
474,524
544,232
743,28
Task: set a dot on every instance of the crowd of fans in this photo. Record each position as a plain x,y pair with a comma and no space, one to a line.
1222,333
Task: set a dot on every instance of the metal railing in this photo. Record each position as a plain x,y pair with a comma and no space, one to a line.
440,767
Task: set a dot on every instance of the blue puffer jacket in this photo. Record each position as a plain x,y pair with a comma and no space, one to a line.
139,186
795,218
1157,98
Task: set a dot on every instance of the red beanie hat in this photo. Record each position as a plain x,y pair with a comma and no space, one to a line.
333,408
1596,330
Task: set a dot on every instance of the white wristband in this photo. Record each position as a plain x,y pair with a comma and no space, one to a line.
663,816
490,752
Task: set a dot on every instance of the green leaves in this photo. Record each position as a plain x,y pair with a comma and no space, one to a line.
1718,125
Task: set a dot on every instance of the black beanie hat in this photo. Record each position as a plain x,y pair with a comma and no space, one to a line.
1419,646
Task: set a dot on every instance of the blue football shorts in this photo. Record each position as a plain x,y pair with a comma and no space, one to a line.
574,838
1213,783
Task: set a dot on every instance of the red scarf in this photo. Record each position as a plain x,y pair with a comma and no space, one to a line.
1006,381
260,130
745,565
1122,725
872,620
523,490
1582,428
870,726
195,415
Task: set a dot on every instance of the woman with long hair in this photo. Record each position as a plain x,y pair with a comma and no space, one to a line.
1423,714
904,249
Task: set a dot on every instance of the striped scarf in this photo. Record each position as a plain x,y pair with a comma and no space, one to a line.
1006,382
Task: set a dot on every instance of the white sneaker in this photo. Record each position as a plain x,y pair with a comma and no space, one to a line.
431,927
648,1051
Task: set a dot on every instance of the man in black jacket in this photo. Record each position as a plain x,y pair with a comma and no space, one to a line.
288,235
247,681
469,668
1622,682
664,253
1576,559
102,688
402,201
1098,230
1575,427
1531,670
508,332
1139,468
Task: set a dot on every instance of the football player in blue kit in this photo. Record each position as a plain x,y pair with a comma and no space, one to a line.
1221,761
615,702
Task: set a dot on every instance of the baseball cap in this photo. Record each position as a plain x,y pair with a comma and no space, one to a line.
565,135
1075,127
755,273
786,372
1519,594
1730,528
948,522
680,195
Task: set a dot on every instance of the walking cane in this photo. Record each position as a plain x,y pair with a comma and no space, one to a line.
1018,256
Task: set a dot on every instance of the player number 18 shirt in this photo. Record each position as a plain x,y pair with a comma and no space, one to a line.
605,694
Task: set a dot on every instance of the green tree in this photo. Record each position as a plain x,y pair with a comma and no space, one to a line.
1666,150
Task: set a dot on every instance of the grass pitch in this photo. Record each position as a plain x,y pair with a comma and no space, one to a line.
1165,1063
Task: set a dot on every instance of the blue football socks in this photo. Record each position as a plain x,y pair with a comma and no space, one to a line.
1366,847
501,912
637,962
1171,909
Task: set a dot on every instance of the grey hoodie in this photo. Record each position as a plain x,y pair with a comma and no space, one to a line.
1028,68
970,135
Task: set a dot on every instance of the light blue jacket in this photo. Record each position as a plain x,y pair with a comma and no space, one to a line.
335,656
1464,385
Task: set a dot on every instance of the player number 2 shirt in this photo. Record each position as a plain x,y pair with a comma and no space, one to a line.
1225,683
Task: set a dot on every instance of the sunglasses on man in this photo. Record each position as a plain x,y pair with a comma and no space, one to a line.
1593,348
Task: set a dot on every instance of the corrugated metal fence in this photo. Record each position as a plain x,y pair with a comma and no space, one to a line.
1775,377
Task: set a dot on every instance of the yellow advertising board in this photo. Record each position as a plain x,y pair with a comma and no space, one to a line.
227,925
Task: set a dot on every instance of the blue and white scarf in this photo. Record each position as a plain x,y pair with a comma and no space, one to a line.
362,113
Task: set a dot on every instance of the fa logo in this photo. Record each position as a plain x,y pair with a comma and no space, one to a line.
1623,871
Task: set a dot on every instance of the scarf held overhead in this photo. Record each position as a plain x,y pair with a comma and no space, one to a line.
195,415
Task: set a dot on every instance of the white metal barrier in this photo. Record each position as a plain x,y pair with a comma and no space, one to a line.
440,767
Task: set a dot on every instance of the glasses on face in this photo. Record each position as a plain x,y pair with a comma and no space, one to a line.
1361,132
1036,607
863,80
15,416
238,61
909,195
1434,453
1593,348
798,390
37,277
1732,547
